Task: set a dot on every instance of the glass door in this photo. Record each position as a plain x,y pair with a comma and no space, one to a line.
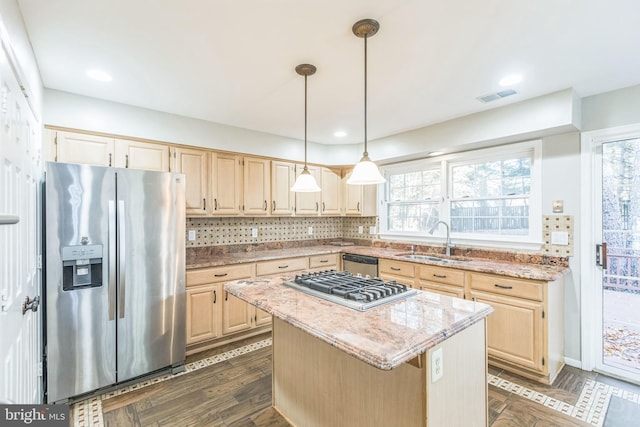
618,256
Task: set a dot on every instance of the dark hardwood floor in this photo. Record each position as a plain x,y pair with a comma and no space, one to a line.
237,392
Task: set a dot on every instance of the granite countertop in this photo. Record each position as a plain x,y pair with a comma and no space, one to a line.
385,336
483,265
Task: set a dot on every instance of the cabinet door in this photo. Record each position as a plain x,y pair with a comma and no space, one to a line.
226,180
330,195
256,185
262,317
85,149
514,330
352,197
309,203
237,314
282,179
193,163
142,155
203,313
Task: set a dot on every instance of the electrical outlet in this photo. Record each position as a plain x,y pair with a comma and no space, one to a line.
436,365
360,229
310,231
372,229
192,234
254,232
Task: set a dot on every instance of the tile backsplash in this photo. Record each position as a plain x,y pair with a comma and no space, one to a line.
239,230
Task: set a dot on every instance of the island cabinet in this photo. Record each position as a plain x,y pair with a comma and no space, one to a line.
334,366
441,280
400,271
525,332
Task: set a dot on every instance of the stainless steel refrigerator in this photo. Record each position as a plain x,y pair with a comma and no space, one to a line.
115,276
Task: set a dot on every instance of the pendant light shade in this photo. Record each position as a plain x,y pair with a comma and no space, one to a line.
305,183
365,172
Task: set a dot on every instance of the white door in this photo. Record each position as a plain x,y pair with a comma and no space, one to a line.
611,286
20,174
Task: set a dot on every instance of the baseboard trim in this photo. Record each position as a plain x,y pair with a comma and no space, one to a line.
573,362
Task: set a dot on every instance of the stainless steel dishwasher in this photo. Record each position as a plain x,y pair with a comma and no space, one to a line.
360,264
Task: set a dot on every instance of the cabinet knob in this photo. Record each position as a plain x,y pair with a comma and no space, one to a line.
502,286
215,296
265,205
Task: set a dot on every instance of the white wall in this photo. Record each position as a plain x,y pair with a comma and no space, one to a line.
83,113
561,181
611,109
545,115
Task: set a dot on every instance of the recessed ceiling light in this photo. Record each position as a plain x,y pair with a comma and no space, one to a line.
510,79
99,75
339,134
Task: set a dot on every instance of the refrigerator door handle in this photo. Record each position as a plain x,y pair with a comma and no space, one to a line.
122,255
112,260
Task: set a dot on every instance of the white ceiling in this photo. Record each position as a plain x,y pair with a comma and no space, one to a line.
232,61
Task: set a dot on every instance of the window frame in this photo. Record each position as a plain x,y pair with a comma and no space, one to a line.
533,240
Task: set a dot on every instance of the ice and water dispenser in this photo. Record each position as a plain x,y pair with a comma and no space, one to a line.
81,267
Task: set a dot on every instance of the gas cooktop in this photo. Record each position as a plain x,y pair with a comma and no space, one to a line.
356,292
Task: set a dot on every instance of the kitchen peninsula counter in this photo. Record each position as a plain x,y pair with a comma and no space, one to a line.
333,365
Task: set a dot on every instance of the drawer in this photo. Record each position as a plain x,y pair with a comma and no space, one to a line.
518,288
265,268
328,260
441,275
397,268
219,274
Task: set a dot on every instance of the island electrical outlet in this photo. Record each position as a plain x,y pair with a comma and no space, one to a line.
436,365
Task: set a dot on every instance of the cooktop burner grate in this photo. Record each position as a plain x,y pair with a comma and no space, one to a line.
357,292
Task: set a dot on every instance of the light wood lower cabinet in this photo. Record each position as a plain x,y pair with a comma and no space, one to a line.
441,280
525,331
204,313
401,272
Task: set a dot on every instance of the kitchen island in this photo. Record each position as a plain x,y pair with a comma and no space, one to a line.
335,366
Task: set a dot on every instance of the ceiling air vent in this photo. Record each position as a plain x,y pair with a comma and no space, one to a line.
496,96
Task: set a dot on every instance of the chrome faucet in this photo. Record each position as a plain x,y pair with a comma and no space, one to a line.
448,245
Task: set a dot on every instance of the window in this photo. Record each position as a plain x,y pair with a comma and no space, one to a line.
489,195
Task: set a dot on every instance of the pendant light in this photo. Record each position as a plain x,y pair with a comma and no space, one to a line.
365,172
305,183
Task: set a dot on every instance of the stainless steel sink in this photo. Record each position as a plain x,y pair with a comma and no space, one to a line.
424,257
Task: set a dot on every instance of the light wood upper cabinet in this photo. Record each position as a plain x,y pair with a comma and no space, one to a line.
71,147
257,186
309,203
331,191
359,200
194,164
85,149
141,155
226,183
282,179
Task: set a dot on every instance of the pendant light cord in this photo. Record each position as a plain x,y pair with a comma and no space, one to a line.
305,121
365,97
